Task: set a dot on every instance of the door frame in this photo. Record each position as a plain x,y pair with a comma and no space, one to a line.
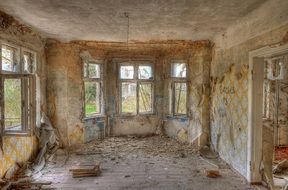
255,104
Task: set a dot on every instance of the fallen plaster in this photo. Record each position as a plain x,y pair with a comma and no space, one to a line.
143,163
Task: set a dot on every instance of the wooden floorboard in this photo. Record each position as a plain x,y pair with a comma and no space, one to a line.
148,164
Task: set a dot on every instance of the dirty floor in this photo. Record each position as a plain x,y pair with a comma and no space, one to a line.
142,163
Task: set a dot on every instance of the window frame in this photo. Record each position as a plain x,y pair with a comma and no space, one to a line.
173,81
23,49
28,92
95,80
136,64
18,57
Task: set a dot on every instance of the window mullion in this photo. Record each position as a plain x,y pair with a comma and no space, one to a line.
137,97
173,98
2,105
100,97
1,58
22,104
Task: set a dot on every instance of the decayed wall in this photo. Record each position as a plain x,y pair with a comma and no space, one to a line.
195,127
19,149
65,88
229,102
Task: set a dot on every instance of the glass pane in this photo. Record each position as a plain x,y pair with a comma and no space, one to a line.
9,59
92,98
179,70
126,72
180,98
128,92
145,72
12,104
94,70
29,62
145,98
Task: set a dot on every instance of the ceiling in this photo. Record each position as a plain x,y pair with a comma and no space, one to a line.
104,20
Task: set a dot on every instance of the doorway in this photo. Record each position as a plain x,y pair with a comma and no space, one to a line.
262,135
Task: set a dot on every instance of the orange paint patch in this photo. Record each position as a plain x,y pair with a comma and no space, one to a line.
281,153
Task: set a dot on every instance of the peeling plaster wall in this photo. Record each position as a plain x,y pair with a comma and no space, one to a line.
19,149
65,88
193,128
229,96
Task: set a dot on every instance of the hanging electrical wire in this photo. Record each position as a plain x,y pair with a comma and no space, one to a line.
126,14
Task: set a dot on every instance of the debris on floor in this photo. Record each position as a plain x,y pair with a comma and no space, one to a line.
86,171
206,152
24,174
23,183
280,167
281,153
155,162
212,173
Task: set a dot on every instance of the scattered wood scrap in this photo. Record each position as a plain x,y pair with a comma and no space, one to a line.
23,183
86,171
280,167
88,152
212,173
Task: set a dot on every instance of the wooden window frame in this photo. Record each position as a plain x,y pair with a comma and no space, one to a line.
173,81
28,121
137,81
96,80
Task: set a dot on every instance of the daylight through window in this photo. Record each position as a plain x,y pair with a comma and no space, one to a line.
92,88
179,87
136,82
16,84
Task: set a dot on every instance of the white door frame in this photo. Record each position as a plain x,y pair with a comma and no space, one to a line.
255,103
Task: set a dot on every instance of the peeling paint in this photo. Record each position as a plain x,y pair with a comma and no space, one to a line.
65,73
229,97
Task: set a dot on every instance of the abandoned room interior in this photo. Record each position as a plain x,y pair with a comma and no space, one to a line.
154,94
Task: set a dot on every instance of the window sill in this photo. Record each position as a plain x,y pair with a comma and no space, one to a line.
177,117
134,115
17,133
94,117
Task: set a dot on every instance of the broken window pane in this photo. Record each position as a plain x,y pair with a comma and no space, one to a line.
94,70
92,98
9,59
179,70
128,93
180,101
127,72
145,97
12,104
29,62
145,72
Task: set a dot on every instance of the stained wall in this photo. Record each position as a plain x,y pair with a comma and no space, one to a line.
65,89
229,93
